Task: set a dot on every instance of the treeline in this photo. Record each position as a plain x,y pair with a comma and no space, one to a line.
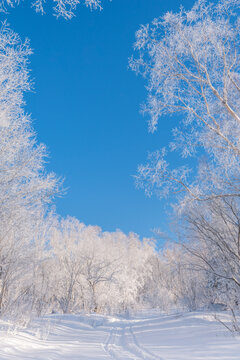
68,267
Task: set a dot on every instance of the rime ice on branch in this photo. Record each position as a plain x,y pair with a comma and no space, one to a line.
62,8
190,60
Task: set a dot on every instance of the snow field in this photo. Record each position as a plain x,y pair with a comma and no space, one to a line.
148,336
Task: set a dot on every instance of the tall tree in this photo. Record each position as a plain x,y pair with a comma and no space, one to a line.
25,187
191,62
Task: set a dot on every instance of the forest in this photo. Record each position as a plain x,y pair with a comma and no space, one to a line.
50,264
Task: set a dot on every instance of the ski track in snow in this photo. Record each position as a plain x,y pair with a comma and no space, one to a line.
122,344
146,336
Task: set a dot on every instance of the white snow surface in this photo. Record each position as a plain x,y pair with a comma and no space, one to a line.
148,336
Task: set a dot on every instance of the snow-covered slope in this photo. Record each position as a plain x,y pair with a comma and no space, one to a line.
191,336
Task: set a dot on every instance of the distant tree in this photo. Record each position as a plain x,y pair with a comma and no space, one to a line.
83,261
97,271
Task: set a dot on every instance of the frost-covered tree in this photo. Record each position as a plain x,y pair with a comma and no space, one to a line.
176,281
96,271
62,8
213,230
82,262
23,179
25,187
190,60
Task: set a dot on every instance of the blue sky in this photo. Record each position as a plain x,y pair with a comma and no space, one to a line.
85,108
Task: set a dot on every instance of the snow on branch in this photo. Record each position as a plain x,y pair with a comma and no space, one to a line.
190,61
62,8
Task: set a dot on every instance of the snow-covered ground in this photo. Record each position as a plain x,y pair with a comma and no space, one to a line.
192,336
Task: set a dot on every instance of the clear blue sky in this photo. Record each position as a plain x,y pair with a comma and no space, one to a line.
85,108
